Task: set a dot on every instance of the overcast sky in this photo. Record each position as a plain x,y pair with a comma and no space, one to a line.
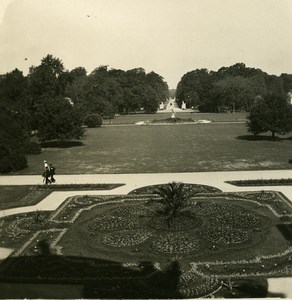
169,37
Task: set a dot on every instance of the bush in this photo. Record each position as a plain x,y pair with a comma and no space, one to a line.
290,161
32,148
12,162
5,165
61,144
18,161
93,120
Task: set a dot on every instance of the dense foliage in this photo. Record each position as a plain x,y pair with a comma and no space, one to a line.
107,92
272,114
93,120
231,88
12,141
58,120
52,102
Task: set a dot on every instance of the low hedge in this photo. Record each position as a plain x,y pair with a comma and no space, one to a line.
77,187
261,182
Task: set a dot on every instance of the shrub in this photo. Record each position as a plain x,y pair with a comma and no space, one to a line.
18,161
5,165
61,144
290,161
12,162
32,148
93,120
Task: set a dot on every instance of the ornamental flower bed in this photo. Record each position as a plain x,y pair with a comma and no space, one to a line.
126,238
225,235
181,223
118,232
109,223
173,243
133,211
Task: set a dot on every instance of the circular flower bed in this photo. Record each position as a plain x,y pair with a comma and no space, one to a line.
108,223
172,243
213,208
136,211
126,238
225,235
242,219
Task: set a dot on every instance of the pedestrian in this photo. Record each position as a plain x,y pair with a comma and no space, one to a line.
52,173
47,174
45,165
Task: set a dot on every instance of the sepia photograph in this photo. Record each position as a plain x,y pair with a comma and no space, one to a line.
145,149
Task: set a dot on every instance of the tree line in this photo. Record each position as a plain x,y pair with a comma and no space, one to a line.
234,88
239,88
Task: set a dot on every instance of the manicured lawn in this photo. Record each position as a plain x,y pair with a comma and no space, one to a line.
166,148
223,117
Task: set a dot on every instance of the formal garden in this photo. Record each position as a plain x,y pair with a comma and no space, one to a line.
167,241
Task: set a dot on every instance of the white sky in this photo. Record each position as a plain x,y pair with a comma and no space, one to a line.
169,37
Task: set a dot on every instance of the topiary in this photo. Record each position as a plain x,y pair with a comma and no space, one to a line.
93,120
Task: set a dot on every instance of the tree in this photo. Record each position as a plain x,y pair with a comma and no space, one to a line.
174,199
287,82
194,88
270,113
44,79
58,120
13,90
13,137
235,92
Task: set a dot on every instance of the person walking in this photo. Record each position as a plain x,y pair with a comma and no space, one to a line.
47,175
45,164
52,173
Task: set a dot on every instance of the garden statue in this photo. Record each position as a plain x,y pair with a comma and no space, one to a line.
183,105
173,118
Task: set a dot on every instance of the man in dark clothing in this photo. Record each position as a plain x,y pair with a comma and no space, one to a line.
47,174
52,173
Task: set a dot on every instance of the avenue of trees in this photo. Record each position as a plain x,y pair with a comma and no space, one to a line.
54,103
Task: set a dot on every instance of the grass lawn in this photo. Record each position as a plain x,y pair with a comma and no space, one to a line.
166,148
131,119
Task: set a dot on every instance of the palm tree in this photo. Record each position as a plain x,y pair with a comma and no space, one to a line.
174,199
